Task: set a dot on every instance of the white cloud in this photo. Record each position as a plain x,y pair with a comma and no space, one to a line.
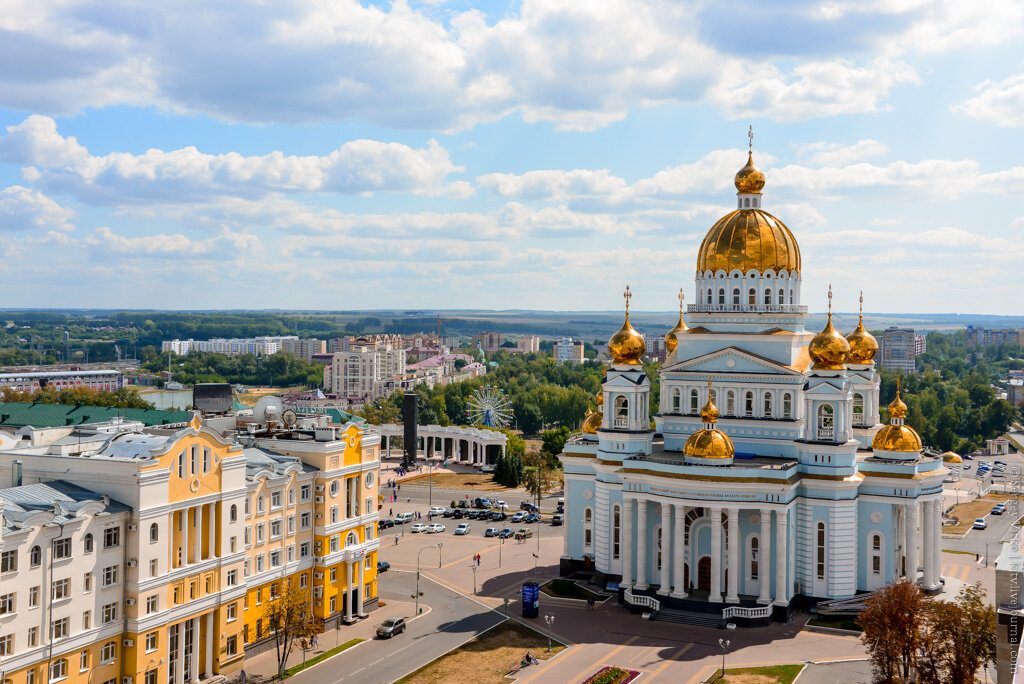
359,166
226,246
1001,103
831,154
23,209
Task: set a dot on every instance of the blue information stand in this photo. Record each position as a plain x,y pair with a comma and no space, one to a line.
531,599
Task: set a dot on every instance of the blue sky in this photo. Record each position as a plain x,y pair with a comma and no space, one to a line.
335,154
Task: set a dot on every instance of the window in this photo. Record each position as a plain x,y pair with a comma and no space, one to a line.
30,676
335,488
787,405
233,513
368,532
87,619
657,537
9,561
820,554
154,533
876,565
206,460
275,499
83,661
694,401
676,400
621,412
58,670
334,514
259,563
748,404
736,296
752,297
181,464
730,403
291,525
248,506
305,520
334,604
60,589
261,505
232,612
232,543
826,425
232,578
616,530
33,597
231,647
60,629
275,559
721,296
306,492
151,644
261,533
109,613
247,537
109,576
304,550
275,528
35,557
107,653
334,543
111,537
61,548
151,605
291,496
767,297
153,567
858,408
303,580
6,645
6,603
791,298
194,460
709,296
351,540
588,533
754,544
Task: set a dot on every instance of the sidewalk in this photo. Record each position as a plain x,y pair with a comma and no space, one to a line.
263,667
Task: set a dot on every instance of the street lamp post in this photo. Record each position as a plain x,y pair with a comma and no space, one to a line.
550,619
474,578
438,547
724,643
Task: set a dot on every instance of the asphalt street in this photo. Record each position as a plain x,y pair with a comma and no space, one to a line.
452,620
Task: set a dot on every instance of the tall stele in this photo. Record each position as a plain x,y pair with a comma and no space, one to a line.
863,345
829,350
627,346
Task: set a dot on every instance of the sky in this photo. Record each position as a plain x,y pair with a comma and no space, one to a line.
333,154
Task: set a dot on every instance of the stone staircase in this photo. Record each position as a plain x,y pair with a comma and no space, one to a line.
687,617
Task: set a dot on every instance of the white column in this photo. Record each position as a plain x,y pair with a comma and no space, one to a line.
764,555
194,675
359,588
626,545
781,556
209,644
910,538
349,570
199,534
184,537
928,534
735,546
179,669
641,544
678,531
716,555
937,546
667,545
214,546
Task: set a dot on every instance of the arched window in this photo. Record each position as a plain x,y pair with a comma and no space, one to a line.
588,528
767,404
754,543
752,297
351,540
621,412
820,552
736,296
710,296
730,403
261,505
876,554
858,408
233,515
748,404
694,401
616,529
826,422
782,296
154,532
35,557
87,543
791,299
721,296
713,396
676,400
787,405
768,297
746,201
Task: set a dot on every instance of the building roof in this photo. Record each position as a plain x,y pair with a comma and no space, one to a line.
257,460
21,502
21,413
132,445
30,375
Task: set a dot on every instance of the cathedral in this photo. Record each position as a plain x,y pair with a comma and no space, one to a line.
765,477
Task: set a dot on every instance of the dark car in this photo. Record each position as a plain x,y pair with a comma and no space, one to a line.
506,533
556,520
385,524
527,506
458,514
998,509
448,512
498,515
532,518
482,502
391,627
473,515
383,566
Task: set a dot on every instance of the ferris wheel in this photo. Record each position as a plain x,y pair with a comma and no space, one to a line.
490,406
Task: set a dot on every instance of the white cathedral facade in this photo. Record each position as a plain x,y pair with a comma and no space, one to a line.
767,475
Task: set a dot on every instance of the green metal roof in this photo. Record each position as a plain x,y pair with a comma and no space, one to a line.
20,414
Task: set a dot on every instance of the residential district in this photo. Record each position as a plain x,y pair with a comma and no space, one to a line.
749,518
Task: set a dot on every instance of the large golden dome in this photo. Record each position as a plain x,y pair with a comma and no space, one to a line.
671,342
749,239
627,346
863,345
709,442
749,179
829,350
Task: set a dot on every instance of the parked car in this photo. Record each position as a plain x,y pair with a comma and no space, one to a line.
385,524
523,533
966,466
458,514
1000,463
403,518
482,502
498,515
437,510
532,518
448,512
462,529
980,524
383,566
418,527
557,520
491,532
527,506
505,533
391,627
998,509
501,504
518,517
968,457
434,528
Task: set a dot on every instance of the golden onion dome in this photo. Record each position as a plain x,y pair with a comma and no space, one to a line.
592,423
896,438
627,346
951,457
709,443
671,341
710,412
749,239
829,350
897,409
749,179
863,345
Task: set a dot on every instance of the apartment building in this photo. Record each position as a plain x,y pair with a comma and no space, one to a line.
981,337
529,344
363,369
568,350
899,350
304,348
213,525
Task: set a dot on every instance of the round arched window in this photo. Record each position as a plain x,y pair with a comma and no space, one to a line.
335,488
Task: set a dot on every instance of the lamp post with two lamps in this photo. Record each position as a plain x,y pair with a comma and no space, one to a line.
724,643
550,619
438,547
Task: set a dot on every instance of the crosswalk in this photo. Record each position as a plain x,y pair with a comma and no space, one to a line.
956,571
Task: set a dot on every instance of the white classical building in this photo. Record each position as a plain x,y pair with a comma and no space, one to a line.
765,475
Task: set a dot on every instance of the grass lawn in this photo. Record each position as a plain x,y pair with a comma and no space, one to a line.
773,674
323,656
481,481
970,510
564,588
252,394
486,659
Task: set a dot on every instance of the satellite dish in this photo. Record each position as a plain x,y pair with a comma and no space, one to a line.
289,418
267,410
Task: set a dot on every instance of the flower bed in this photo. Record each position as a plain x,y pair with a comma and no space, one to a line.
612,675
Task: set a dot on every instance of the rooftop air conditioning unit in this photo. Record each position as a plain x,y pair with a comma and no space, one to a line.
132,527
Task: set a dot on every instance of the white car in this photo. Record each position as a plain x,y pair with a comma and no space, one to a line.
980,524
437,510
502,505
434,528
418,527
463,528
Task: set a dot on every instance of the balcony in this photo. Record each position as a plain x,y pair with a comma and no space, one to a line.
620,423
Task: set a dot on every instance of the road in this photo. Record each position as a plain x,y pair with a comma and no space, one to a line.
452,620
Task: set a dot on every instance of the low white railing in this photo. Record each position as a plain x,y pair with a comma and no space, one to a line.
641,600
740,611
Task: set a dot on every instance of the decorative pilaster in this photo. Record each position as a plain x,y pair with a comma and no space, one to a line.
626,547
733,580
781,557
764,555
678,535
716,555
641,544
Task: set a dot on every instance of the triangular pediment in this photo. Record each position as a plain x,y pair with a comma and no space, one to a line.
624,381
731,360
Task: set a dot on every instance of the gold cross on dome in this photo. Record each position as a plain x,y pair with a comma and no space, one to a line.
862,303
627,295
681,298
830,299
750,136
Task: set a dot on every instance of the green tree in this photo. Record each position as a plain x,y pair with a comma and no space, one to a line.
552,443
290,619
960,638
891,620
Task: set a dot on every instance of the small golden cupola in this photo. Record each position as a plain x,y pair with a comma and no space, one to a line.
671,341
863,345
709,445
627,347
897,437
592,423
829,350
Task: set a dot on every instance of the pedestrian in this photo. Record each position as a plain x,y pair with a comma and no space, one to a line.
243,675
396,539
391,512
590,603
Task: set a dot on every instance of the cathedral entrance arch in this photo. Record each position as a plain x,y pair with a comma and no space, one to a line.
704,573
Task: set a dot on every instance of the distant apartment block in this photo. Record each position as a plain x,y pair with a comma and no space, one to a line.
1015,388
31,382
656,347
261,346
899,349
980,337
304,348
488,340
363,370
568,350
920,344
529,344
